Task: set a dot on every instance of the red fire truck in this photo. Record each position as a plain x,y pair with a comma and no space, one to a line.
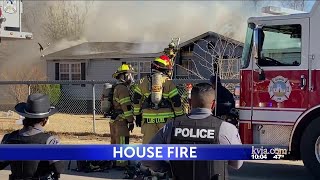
280,85
10,21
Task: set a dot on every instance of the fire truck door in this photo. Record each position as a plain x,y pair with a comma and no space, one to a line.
281,96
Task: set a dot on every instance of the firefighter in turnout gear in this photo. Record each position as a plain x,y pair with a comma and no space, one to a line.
186,97
121,112
36,112
206,129
156,99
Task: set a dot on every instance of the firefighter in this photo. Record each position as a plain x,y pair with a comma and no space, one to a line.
36,112
121,116
225,100
186,98
200,117
156,99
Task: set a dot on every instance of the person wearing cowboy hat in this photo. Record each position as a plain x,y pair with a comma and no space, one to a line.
225,100
122,120
36,112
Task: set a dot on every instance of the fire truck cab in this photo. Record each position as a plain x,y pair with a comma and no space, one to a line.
10,20
280,85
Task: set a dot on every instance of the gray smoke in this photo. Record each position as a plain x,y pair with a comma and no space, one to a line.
152,24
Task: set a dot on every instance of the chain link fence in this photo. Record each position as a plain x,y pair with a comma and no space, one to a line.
78,103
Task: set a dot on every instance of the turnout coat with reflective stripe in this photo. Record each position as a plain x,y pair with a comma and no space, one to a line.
122,101
170,94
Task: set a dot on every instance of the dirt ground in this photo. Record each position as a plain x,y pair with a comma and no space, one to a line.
71,129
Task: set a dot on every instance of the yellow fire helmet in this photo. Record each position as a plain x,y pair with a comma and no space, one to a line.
124,68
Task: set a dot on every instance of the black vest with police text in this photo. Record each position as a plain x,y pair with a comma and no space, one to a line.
197,131
27,169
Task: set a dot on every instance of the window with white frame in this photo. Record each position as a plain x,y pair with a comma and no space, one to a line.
70,71
142,68
135,66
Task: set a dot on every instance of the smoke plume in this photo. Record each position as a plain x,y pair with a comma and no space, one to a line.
151,23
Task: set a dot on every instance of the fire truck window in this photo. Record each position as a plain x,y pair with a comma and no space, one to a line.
245,59
281,45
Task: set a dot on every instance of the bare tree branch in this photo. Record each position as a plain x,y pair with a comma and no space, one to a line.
65,20
190,71
221,57
295,4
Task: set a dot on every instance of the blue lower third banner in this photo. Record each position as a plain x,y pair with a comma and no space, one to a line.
141,152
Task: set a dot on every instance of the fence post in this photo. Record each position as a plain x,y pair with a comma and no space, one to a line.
29,89
94,107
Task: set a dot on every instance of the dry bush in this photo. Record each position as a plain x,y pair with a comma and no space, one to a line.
22,73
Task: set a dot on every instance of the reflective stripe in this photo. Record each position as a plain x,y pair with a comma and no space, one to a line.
165,95
157,115
136,110
174,92
125,100
179,113
121,141
127,113
137,90
147,94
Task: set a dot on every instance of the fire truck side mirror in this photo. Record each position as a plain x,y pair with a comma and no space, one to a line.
257,43
262,76
257,49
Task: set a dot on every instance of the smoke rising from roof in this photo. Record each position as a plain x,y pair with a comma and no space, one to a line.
160,21
136,21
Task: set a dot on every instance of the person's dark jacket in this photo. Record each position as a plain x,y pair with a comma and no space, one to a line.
225,101
55,166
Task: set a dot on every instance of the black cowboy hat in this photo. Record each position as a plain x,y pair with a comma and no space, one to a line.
37,106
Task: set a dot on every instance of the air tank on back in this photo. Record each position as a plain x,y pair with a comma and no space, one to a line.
156,89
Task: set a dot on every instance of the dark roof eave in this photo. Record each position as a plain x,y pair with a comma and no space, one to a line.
209,33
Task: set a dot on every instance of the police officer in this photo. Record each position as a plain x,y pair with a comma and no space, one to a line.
154,116
36,111
225,100
202,97
122,119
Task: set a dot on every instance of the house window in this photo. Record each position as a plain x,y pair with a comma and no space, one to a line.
70,71
136,69
145,68
142,68
64,71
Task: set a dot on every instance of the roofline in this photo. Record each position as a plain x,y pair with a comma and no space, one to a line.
102,56
59,51
208,34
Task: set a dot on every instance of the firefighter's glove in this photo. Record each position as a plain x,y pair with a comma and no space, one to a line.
130,126
138,120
